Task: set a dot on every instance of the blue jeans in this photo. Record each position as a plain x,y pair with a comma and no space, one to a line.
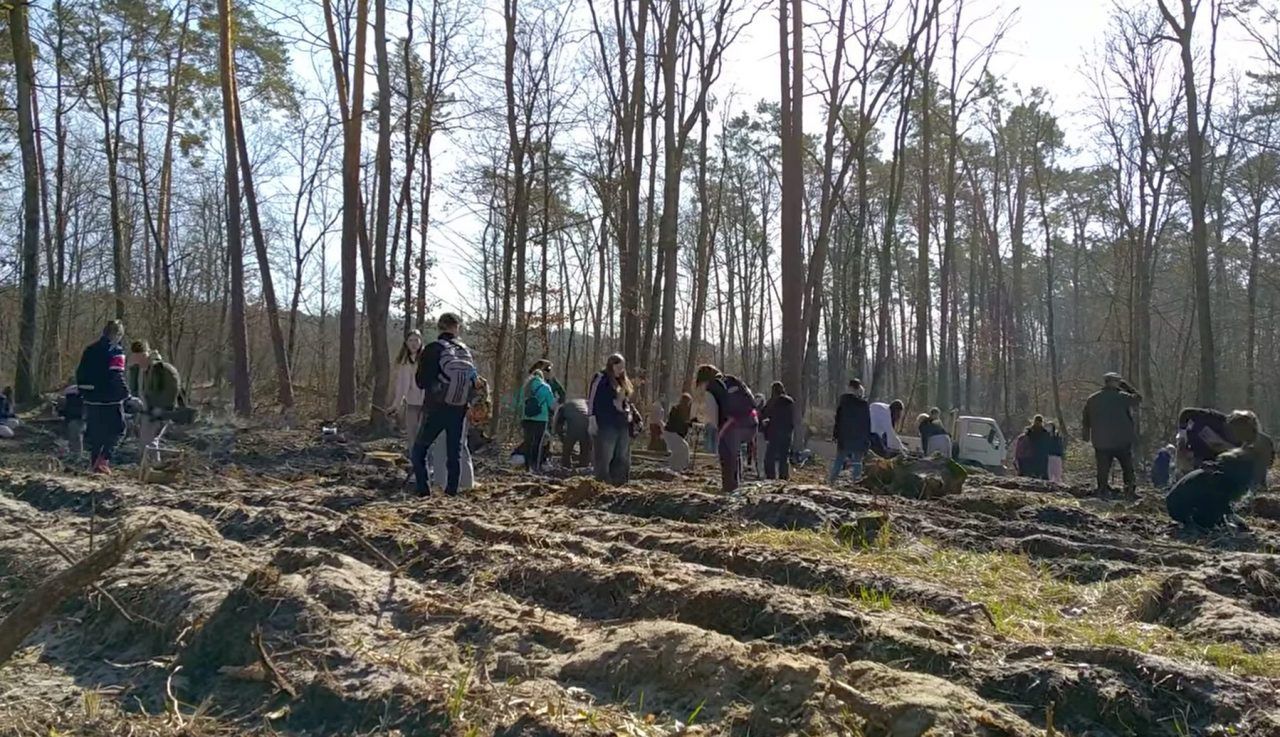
449,420
851,457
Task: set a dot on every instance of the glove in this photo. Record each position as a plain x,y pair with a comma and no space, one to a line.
593,428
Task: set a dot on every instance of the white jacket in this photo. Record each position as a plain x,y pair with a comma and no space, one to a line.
882,424
407,391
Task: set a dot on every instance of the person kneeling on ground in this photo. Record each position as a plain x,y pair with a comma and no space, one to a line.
852,433
447,374
1203,498
731,404
609,400
572,426
779,423
675,433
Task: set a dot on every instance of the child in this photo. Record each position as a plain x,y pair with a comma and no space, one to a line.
1162,467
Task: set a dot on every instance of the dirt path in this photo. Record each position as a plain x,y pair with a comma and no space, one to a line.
285,586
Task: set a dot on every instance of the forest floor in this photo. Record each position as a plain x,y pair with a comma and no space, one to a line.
287,584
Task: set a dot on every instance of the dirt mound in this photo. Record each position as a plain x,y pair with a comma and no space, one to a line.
299,590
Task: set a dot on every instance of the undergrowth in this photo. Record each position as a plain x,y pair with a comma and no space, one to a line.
1025,601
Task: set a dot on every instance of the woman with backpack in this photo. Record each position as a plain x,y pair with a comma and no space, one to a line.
536,400
730,406
609,402
408,396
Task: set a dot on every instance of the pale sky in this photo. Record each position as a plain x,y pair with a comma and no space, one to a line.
1047,45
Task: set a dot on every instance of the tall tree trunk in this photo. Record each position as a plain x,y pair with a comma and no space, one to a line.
352,127
629,247
667,248
791,57
25,389
1182,30
379,307
924,307
284,377
243,399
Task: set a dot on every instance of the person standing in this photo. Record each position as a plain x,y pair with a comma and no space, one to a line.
101,379
1035,464
72,411
731,405
1109,424
161,391
609,400
676,431
536,401
409,396
136,366
852,433
779,423
1057,453
447,375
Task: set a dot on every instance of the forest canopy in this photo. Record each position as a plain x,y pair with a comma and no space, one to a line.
274,193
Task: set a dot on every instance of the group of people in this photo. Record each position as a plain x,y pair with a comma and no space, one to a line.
864,427
109,388
1039,451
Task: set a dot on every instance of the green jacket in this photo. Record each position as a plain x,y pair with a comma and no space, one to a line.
1108,420
540,392
162,386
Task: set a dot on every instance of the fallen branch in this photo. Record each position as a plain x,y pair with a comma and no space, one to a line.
49,595
281,682
101,591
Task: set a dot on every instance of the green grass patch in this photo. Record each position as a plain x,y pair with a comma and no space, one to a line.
1026,602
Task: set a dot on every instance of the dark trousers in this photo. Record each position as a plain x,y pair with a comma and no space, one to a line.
533,432
445,419
777,459
729,440
613,454
582,441
104,427
1104,458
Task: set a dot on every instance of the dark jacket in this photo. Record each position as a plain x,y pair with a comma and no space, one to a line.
1108,419
1038,445
571,420
602,401
1263,452
928,429
102,368
779,418
853,424
6,407
1204,496
679,420
1195,422
1162,468
428,374
734,402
